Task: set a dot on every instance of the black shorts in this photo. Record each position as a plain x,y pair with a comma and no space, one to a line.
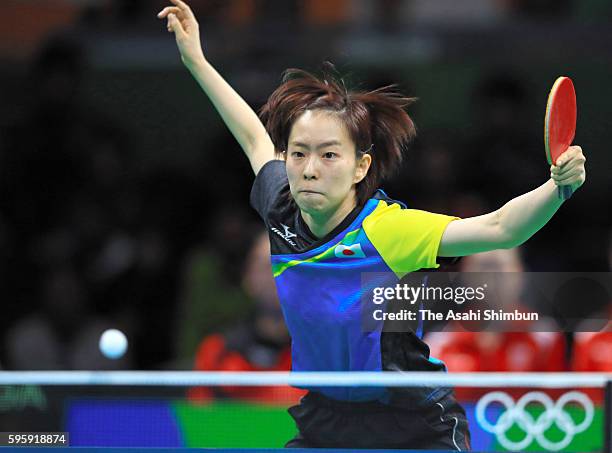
327,423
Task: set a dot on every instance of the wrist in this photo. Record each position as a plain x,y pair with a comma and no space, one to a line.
194,63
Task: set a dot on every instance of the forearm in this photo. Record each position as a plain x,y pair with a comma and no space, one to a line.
523,216
239,117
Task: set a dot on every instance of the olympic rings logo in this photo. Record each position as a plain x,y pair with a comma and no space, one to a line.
534,428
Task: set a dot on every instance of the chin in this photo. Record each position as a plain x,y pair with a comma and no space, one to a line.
310,204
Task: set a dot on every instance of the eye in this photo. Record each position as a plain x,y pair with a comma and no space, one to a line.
330,155
297,154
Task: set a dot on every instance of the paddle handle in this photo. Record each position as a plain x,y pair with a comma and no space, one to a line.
565,192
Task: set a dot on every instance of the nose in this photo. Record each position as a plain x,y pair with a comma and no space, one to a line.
310,168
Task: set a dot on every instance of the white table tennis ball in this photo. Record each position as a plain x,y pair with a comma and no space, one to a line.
113,343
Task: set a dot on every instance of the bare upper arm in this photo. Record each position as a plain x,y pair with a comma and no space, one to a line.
473,235
260,153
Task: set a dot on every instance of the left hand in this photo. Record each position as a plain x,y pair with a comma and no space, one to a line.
182,22
569,170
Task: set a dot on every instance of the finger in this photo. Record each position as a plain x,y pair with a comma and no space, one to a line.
563,159
566,172
184,7
576,148
167,10
570,165
568,179
557,170
567,182
576,163
568,155
175,25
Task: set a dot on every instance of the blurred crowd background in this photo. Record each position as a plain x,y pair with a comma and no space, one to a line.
124,199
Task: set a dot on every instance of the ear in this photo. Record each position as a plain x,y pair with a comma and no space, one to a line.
363,165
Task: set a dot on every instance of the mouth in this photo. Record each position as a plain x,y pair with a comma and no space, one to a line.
309,191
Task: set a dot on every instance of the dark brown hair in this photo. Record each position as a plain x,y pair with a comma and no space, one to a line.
376,120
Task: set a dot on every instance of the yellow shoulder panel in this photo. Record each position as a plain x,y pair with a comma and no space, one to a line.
407,239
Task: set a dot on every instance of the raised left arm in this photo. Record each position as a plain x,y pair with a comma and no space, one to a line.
520,218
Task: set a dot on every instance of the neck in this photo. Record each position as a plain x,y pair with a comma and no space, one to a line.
322,224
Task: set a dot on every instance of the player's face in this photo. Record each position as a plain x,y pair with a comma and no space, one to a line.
322,165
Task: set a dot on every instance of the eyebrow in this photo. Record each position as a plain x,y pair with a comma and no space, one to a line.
322,145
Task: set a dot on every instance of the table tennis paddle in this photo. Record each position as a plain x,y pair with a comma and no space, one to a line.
560,124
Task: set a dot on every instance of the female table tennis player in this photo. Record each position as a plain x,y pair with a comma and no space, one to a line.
318,161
